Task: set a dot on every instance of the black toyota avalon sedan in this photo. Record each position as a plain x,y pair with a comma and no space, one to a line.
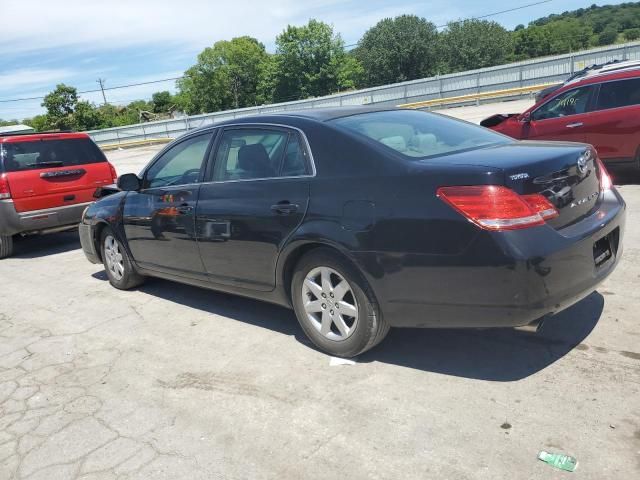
362,220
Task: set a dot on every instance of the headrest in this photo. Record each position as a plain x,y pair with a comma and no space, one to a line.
397,143
254,160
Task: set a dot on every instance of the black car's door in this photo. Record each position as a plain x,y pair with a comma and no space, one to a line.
256,195
159,220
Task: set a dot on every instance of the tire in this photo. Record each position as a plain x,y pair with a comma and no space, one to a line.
325,310
117,263
6,246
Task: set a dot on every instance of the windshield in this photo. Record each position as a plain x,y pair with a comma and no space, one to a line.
18,156
417,135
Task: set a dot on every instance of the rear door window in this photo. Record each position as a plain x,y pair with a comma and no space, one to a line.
253,153
39,154
620,93
571,102
295,161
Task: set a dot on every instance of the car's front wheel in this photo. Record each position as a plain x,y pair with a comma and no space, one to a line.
6,246
335,305
116,262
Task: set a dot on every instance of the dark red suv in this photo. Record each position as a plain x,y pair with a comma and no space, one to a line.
46,181
600,107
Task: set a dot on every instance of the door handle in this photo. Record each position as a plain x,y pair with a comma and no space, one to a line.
184,209
574,125
284,208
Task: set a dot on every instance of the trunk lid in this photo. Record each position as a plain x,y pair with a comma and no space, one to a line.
53,170
567,174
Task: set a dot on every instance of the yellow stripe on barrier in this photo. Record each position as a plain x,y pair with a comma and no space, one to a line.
477,96
135,143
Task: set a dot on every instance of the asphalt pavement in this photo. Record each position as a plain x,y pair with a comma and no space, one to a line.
175,382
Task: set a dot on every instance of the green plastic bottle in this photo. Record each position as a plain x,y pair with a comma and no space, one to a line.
563,462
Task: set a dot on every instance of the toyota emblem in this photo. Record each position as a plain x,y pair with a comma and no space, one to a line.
582,162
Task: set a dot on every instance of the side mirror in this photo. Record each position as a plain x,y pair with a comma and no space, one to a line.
129,182
525,117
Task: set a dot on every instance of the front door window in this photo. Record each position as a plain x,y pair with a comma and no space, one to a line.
571,102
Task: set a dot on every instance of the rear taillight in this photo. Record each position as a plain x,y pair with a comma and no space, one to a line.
605,178
114,174
495,207
5,192
541,205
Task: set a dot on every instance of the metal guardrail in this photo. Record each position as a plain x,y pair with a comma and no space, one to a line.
135,143
520,75
507,93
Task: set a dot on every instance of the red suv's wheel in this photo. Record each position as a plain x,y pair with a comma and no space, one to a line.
6,246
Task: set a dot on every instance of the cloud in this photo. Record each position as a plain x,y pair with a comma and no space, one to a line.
33,77
195,24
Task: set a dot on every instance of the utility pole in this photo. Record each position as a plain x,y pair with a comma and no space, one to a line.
101,83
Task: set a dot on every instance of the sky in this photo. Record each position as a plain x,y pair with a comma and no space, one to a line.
44,42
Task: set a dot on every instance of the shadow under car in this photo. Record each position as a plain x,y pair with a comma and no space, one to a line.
502,355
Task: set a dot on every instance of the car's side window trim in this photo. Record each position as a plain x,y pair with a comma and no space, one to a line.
590,103
596,109
248,126
213,132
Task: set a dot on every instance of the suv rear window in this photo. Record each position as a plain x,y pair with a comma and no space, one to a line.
19,156
417,135
621,93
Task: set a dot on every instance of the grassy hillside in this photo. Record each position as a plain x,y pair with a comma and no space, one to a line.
578,29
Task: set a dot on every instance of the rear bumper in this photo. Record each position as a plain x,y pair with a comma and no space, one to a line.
38,221
504,279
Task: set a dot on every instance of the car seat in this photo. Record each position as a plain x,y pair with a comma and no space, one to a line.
254,162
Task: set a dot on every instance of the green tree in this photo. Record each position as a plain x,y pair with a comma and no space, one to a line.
86,116
569,35
162,101
39,122
398,49
310,61
60,105
632,34
226,76
471,44
532,42
608,36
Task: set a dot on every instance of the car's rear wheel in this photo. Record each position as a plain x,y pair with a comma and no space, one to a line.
6,246
335,305
116,262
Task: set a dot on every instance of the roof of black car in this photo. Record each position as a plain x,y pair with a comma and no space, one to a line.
324,114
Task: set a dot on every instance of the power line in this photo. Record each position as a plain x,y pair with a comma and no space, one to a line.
97,90
480,17
498,13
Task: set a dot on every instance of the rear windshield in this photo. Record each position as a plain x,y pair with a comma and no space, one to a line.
39,154
418,135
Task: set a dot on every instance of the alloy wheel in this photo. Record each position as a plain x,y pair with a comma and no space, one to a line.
329,303
113,257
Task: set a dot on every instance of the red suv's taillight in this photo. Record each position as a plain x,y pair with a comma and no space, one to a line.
5,192
495,207
114,174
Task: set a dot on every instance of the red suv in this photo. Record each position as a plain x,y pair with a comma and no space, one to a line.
600,107
46,181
